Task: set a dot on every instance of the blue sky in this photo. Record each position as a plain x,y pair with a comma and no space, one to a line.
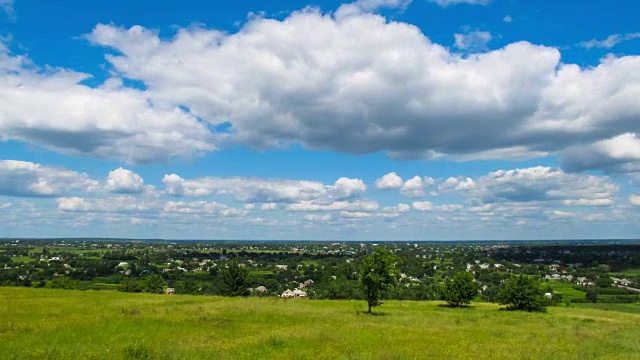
376,119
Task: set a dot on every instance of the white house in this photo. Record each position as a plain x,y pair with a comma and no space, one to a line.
297,293
623,282
469,267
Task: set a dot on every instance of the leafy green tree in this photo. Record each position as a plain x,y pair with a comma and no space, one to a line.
490,293
338,288
377,273
154,284
603,281
131,286
234,279
592,296
188,286
65,282
459,289
521,292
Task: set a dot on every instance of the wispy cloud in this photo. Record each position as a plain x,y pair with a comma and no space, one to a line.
474,41
609,42
7,8
445,3
371,6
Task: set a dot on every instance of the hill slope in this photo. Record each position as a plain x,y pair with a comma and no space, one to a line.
39,323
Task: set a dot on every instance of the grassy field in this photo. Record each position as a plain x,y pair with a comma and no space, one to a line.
630,308
59,324
22,259
566,289
629,272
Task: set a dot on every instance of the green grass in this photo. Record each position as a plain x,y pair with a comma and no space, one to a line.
91,258
629,272
566,289
22,259
94,285
58,324
629,308
262,272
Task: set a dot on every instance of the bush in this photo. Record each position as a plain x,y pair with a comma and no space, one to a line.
67,283
131,286
618,299
591,296
459,289
188,286
521,293
154,284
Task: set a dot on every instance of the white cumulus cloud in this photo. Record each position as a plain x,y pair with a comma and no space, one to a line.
423,205
124,181
536,184
325,82
256,190
52,109
389,181
22,178
415,187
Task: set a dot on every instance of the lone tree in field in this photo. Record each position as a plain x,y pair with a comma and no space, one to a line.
459,289
378,271
521,292
234,280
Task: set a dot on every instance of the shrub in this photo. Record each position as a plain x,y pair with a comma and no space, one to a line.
131,286
64,282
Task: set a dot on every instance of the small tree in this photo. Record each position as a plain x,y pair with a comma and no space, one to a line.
234,280
459,289
603,281
154,284
592,296
521,292
378,271
188,286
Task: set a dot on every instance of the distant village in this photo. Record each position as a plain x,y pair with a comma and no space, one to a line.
571,272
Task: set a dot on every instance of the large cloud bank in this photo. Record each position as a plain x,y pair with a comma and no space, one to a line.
349,81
